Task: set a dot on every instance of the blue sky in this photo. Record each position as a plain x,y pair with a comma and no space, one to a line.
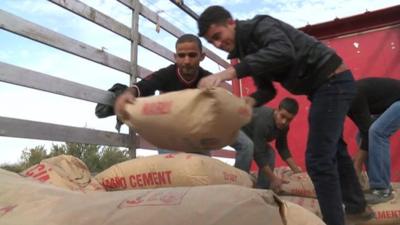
24,103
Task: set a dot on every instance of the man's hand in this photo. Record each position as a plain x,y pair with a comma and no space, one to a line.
210,81
276,184
293,166
359,160
250,101
119,106
216,79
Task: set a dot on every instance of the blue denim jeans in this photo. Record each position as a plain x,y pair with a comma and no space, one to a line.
328,162
244,148
379,146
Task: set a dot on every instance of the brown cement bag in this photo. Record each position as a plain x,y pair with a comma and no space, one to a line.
64,171
23,201
310,204
387,213
191,120
299,184
171,170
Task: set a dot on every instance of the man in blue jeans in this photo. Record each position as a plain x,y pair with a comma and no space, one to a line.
184,74
376,96
273,51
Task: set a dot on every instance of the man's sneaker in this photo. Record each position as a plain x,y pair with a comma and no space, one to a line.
355,218
379,196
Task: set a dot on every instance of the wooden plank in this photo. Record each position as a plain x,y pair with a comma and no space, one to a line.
186,9
153,46
112,25
31,79
143,72
134,60
101,19
152,16
48,37
10,127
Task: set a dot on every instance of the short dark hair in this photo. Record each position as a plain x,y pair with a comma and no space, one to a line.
290,105
212,15
189,38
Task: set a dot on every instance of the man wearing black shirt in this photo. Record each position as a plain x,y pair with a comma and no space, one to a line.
376,96
271,50
266,125
185,73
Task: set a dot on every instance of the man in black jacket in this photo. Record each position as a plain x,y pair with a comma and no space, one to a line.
184,74
376,97
271,50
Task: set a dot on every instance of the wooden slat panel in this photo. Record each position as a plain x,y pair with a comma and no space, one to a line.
48,37
152,16
11,127
113,25
28,78
143,72
85,11
156,48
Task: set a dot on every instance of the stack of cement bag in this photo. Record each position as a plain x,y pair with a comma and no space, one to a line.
300,190
223,200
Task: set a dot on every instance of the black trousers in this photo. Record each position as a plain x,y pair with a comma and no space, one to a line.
328,162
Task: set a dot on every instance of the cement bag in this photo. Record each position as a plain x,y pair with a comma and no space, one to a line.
171,170
299,184
387,213
191,120
23,201
64,171
310,204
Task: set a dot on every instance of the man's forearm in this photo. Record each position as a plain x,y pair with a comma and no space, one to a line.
268,171
293,166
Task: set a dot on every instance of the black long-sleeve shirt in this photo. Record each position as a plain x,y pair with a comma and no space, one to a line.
374,96
262,129
166,80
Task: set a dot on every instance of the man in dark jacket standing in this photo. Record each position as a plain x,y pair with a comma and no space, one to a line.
271,50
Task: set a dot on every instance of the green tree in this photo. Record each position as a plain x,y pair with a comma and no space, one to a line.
111,156
16,167
96,157
57,150
33,156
